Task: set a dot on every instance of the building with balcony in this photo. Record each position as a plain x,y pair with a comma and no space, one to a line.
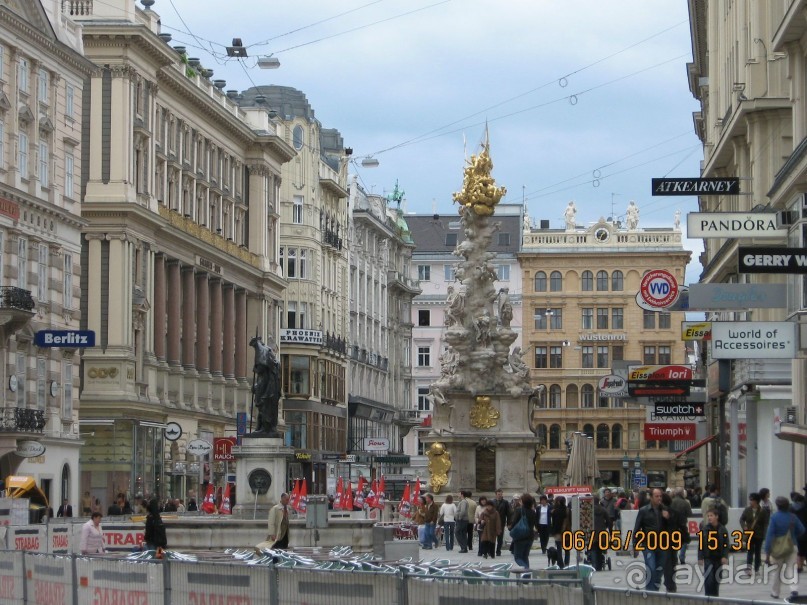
42,72
748,75
179,262
580,320
379,366
313,215
434,264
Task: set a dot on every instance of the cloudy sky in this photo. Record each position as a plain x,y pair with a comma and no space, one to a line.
585,100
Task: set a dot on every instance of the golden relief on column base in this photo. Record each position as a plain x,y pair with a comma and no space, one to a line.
483,415
439,465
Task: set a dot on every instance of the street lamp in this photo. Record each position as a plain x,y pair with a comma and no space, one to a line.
625,467
637,463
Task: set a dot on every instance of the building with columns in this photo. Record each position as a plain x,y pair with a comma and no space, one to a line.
314,331
379,366
179,264
41,77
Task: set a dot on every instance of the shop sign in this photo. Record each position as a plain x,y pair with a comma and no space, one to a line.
199,447
669,431
29,449
304,456
659,288
751,259
613,385
565,490
9,209
223,448
305,337
617,337
695,186
376,444
696,330
753,340
659,373
734,225
68,339
716,297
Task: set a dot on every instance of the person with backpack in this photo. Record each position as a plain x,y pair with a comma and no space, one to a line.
523,543
783,532
154,536
713,500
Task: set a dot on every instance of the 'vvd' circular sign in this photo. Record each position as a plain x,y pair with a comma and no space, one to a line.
659,288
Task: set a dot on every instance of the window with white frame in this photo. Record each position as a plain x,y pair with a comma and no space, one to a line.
22,361
301,316
41,376
424,357
449,272
67,385
2,144
424,405
291,315
42,85
291,264
44,159
69,101
297,210
69,169
22,154
503,272
424,272
2,61
67,282
42,273
22,75
303,264
22,263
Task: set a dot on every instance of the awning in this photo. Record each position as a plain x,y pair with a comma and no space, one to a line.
692,448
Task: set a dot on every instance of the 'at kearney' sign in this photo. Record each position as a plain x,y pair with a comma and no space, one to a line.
705,186
753,340
734,225
751,259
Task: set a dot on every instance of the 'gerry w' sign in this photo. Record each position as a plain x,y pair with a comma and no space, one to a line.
752,259
705,186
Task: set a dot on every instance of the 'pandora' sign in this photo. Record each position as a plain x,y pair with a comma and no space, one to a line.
753,339
732,225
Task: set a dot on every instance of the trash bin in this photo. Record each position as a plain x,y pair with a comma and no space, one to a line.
382,534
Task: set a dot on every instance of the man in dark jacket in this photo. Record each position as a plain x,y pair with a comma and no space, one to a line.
430,519
502,506
651,519
683,511
601,523
609,504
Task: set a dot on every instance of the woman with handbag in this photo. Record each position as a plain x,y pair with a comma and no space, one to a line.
522,528
559,525
784,530
479,523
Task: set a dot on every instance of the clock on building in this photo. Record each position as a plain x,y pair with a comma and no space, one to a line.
602,234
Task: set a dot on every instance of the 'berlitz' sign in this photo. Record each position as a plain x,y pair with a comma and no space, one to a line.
68,339
693,186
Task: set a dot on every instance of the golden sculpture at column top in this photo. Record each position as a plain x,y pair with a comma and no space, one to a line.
439,465
483,415
479,191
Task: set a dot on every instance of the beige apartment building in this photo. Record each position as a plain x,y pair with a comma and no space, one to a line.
580,319
41,77
179,260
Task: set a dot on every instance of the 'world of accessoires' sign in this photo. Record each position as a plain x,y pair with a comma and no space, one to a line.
696,186
753,339
751,259
733,225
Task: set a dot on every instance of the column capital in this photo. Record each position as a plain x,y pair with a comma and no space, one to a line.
188,268
259,170
94,236
119,236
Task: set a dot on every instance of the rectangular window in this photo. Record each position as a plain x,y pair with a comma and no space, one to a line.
44,158
649,356
664,320
406,352
556,319
618,353
69,169
602,357
424,272
2,255
449,272
22,76
2,145
540,319
22,154
540,357
503,272
504,239
42,273
602,319
2,61
649,320
303,265
67,282
424,317
618,318
291,264
69,101
67,394
291,315
22,263
299,375
424,357
555,357
588,319
297,210
21,378
42,85
664,355
301,316
451,239
41,376
424,405
588,357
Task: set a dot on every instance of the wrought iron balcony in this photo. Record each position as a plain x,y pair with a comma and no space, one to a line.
16,307
22,420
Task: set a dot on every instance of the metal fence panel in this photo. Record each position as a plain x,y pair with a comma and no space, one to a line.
59,539
471,591
311,586
100,581
11,578
48,579
214,583
616,596
30,538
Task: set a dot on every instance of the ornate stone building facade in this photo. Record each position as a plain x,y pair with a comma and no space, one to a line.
581,319
179,260
42,71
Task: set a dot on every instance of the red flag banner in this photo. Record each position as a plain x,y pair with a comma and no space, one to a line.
405,507
295,495
380,496
337,501
209,503
226,507
416,493
359,501
372,496
302,500
347,498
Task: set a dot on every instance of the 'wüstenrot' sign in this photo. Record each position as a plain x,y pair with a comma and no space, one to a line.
753,340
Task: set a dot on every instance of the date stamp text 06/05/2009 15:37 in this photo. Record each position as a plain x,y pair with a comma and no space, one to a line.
652,540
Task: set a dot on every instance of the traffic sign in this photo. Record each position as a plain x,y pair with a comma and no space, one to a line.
640,481
659,288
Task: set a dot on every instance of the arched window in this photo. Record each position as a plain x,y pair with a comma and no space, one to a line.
554,396
554,437
587,280
572,400
556,281
617,281
602,281
540,281
297,137
542,435
616,437
603,436
588,429
587,395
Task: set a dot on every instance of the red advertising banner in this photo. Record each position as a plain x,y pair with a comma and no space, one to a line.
223,448
669,431
568,489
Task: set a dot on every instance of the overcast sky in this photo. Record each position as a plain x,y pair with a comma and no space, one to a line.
585,100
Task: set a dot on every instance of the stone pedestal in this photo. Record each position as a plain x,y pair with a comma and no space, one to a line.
260,457
484,458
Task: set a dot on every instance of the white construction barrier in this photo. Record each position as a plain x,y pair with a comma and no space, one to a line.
11,578
59,537
437,590
105,581
30,538
297,586
118,537
48,579
213,583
